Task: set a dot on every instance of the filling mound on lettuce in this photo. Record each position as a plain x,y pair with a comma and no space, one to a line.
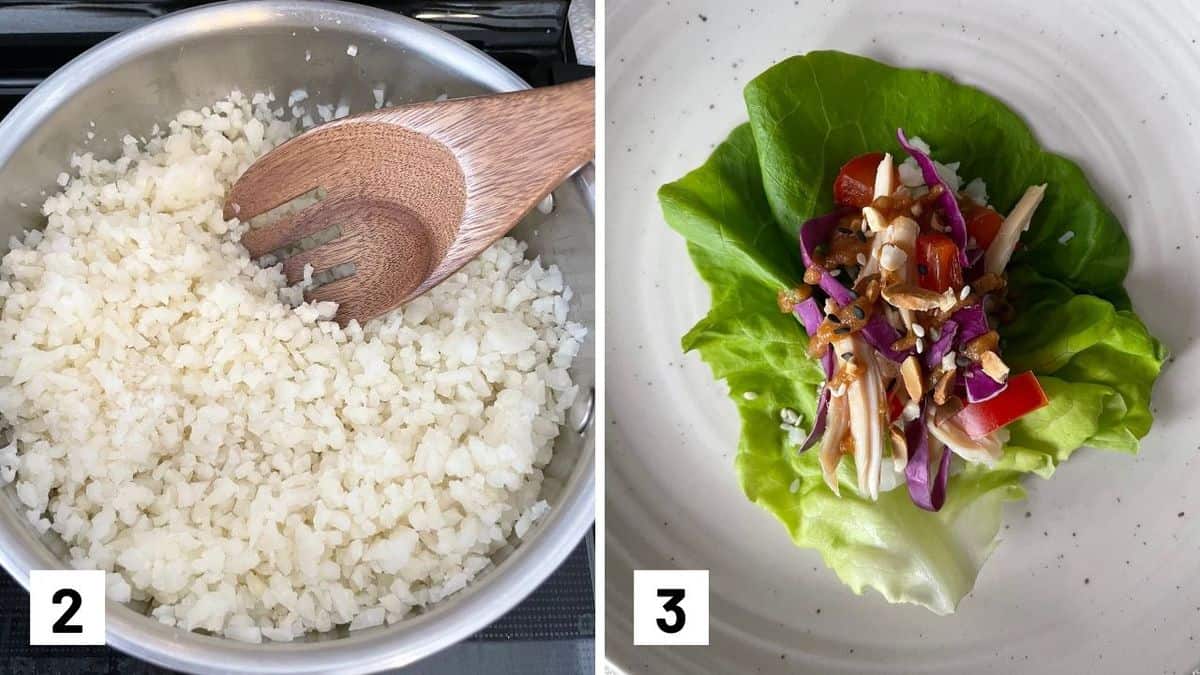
937,340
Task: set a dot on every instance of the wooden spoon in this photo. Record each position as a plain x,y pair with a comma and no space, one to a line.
418,190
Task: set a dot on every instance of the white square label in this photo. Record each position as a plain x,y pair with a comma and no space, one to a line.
670,607
66,607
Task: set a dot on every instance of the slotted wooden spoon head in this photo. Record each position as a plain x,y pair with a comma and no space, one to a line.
417,190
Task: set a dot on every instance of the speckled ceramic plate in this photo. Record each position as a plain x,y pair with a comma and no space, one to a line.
1097,571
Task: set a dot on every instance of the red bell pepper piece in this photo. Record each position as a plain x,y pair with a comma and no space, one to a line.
1022,396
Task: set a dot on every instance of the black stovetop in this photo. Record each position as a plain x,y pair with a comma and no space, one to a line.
38,36
528,36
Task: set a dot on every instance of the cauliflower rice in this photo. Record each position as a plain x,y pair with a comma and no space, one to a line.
184,421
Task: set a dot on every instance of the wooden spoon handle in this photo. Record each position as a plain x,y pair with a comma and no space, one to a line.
532,140
513,148
543,136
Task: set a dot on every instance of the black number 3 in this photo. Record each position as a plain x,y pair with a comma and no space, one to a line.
71,595
674,597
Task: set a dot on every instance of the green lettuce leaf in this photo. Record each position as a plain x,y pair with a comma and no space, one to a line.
1083,339
739,213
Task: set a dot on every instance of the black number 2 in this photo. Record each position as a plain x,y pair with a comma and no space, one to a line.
71,595
674,597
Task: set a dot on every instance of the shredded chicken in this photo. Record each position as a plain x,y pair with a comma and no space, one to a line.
885,175
1001,248
984,450
871,268
864,394
837,423
874,218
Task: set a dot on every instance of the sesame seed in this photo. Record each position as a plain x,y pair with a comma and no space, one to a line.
920,345
935,334
1067,236
966,290
750,395
795,486
918,330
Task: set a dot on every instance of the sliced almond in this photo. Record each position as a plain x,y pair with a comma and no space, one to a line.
984,343
993,366
911,296
910,370
941,390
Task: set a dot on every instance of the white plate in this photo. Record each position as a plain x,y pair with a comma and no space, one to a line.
1101,576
